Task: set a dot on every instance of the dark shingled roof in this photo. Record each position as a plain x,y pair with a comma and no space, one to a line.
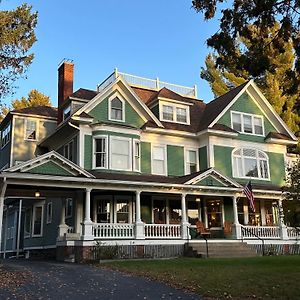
46,111
222,127
84,94
277,135
85,115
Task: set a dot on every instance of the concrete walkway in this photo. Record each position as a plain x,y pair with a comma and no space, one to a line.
52,280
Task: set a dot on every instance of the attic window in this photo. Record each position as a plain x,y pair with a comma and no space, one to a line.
247,123
173,112
31,127
116,109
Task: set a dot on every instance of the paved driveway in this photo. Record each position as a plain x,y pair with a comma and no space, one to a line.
51,280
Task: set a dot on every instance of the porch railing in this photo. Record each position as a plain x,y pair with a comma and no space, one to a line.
266,232
162,231
293,232
113,230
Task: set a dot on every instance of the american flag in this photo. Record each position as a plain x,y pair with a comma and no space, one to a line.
249,195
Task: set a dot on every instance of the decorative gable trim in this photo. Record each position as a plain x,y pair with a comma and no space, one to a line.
224,180
55,158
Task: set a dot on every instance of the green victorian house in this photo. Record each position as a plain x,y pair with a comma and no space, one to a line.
135,164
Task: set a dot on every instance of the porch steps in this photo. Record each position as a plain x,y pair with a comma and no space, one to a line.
220,250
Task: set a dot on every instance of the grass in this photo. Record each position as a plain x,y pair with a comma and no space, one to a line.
272,277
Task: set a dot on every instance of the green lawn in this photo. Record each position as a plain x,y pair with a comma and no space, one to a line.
272,277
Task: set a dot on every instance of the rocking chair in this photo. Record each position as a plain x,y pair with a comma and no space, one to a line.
201,230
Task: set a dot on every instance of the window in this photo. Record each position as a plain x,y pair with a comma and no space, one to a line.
37,221
30,132
122,210
103,211
159,212
69,208
193,211
247,123
172,112
181,115
120,149
214,213
67,112
27,222
100,152
250,163
191,161
137,155
159,160
68,150
5,135
49,213
175,214
116,110
168,113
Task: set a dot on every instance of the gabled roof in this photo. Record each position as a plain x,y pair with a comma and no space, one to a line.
52,163
47,111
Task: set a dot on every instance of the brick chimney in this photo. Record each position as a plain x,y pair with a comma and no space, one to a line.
65,84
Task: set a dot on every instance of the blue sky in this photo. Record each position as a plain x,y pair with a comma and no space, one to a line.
156,38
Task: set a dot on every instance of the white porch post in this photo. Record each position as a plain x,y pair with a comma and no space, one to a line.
19,228
236,224
184,223
282,226
2,194
62,227
87,223
139,225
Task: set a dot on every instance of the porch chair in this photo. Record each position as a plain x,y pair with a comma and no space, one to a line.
201,230
227,228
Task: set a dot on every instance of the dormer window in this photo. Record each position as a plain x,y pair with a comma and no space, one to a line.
116,109
67,112
247,123
174,112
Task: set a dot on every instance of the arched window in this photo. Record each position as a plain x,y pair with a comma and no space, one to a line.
116,109
250,163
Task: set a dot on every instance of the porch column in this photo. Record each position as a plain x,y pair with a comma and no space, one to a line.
139,225
184,223
19,227
2,194
236,224
282,226
87,223
62,227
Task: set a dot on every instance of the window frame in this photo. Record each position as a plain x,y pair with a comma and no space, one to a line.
67,206
66,112
164,147
26,137
258,160
33,220
30,211
110,108
174,106
49,215
67,152
186,159
6,135
129,140
105,137
253,116
135,155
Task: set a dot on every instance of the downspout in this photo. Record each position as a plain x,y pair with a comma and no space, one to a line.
2,193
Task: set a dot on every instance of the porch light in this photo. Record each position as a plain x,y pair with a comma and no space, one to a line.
197,199
37,194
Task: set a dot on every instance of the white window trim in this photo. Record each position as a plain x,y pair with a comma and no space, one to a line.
106,151
116,95
72,207
42,220
165,155
27,234
36,130
186,159
111,138
49,220
242,114
165,103
68,107
234,170
9,134
134,154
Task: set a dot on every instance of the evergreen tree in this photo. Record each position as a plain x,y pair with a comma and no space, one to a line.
16,38
34,98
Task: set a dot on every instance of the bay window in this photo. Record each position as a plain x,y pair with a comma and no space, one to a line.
100,152
120,153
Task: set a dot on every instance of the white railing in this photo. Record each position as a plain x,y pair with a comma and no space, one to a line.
113,230
266,232
153,84
161,231
293,232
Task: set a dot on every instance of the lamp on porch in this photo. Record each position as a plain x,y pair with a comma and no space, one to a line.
37,194
197,199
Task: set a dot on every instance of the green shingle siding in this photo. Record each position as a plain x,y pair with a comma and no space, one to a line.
246,105
222,157
132,118
210,181
145,157
50,168
175,159
88,146
203,158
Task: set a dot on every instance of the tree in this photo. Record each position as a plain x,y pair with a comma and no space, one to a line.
292,195
16,38
35,98
263,14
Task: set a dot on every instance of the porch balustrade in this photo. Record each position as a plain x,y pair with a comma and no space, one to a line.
162,231
266,232
113,230
293,232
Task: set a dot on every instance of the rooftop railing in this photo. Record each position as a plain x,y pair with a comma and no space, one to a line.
153,84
